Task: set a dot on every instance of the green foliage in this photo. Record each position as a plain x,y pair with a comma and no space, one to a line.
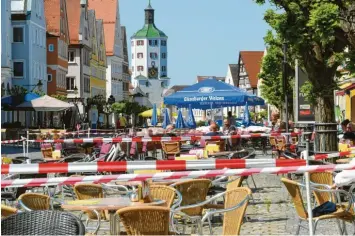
127,107
17,91
59,97
39,93
271,75
315,33
200,123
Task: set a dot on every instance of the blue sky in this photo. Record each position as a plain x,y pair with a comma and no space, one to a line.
204,35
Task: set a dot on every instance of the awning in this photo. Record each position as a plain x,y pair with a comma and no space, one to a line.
343,91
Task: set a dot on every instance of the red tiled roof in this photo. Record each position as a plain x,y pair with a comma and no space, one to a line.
74,13
106,10
252,62
201,78
52,14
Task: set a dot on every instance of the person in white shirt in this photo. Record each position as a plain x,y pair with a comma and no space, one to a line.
346,177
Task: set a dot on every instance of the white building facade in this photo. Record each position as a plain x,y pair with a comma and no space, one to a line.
150,59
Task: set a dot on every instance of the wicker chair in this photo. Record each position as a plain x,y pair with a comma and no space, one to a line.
322,178
170,148
90,191
165,193
34,202
193,192
7,211
42,223
148,220
342,213
235,205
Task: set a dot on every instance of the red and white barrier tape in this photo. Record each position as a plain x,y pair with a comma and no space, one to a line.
125,166
331,155
150,139
12,141
171,175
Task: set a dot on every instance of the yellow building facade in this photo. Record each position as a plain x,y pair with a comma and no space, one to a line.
98,56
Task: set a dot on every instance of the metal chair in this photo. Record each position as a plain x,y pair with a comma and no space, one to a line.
148,220
42,223
341,213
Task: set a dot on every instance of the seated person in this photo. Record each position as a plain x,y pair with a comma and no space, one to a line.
228,128
214,130
345,177
169,131
348,129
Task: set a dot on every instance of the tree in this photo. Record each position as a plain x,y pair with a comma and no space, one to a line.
271,74
313,29
60,97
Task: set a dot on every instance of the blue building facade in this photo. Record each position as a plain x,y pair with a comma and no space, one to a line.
29,62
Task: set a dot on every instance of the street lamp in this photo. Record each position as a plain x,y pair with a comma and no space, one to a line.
284,82
39,85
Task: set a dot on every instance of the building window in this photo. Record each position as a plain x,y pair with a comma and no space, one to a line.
163,55
163,43
18,34
70,83
86,33
132,43
139,55
71,56
18,69
49,77
132,55
51,47
140,42
163,68
86,84
153,55
132,68
140,68
153,42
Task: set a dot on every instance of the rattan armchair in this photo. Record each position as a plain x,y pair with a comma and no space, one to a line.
342,212
193,192
34,202
42,223
170,148
166,193
148,220
7,211
235,205
322,180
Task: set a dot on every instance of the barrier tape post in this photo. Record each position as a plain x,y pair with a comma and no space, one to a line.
89,132
308,191
27,142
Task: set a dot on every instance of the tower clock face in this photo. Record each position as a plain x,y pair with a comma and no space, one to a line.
152,72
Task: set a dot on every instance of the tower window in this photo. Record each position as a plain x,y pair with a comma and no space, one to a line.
139,55
163,43
153,55
140,68
132,68
153,42
163,55
18,34
140,42
132,55
163,68
147,84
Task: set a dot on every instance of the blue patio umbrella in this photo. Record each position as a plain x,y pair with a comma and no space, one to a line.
166,119
180,123
13,100
191,123
154,115
246,116
211,93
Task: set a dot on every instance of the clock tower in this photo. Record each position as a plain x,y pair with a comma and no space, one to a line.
150,59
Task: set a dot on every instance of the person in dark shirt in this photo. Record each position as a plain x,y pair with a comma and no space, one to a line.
346,126
169,131
214,130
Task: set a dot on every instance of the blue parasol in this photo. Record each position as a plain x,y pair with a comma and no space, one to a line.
154,116
246,116
180,124
191,123
166,119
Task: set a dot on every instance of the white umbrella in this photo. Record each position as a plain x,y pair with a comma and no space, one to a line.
44,103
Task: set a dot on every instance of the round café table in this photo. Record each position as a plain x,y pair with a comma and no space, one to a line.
109,204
